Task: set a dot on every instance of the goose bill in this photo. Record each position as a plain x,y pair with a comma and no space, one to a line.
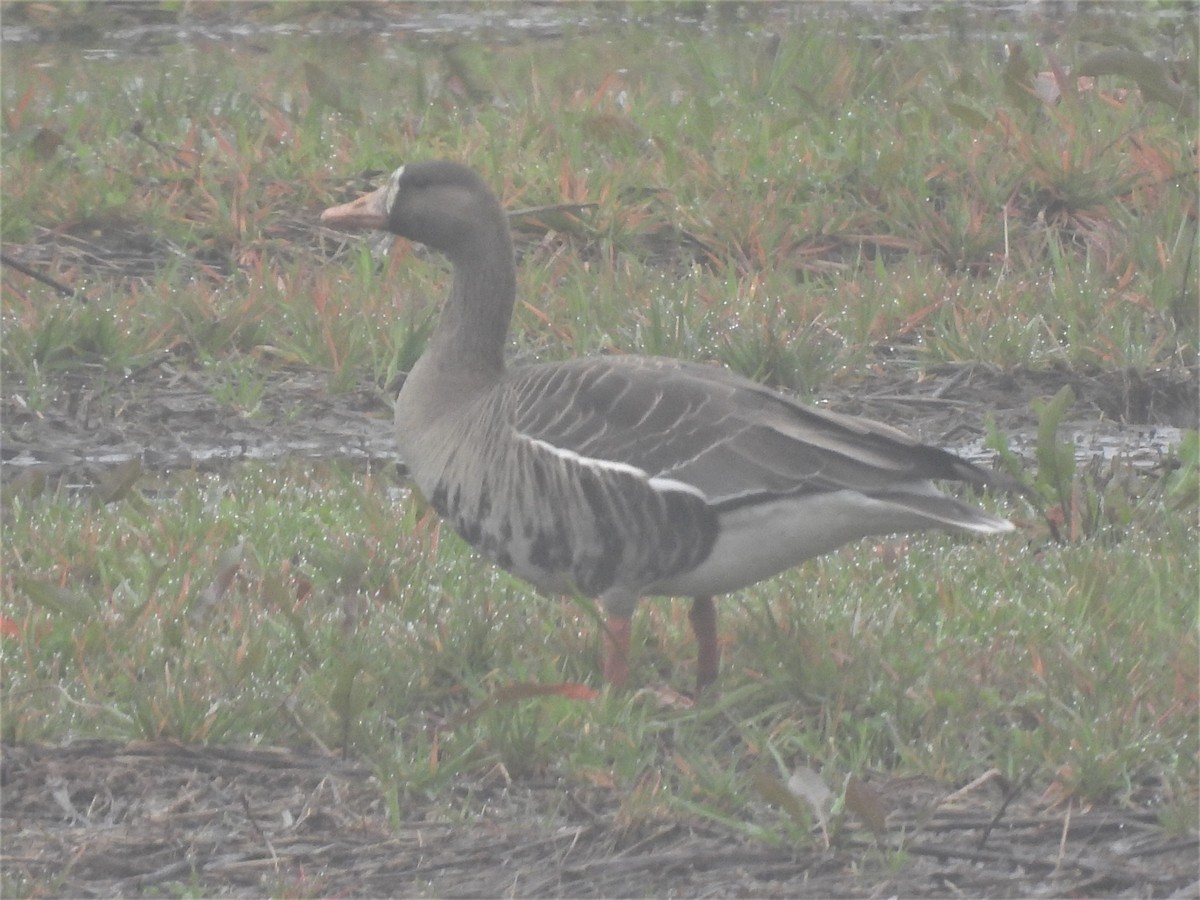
368,211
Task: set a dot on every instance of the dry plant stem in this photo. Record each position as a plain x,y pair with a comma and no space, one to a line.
65,290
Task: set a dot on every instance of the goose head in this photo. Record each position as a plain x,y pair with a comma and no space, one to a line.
447,207
439,203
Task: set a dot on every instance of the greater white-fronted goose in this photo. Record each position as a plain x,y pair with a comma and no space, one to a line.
619,477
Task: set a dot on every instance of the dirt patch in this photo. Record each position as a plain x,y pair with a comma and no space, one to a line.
168,415
100,819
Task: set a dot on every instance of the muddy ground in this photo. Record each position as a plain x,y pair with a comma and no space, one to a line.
165,414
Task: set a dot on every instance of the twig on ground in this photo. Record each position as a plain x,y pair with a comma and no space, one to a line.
65,290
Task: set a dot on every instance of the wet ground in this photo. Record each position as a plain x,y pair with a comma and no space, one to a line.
166,415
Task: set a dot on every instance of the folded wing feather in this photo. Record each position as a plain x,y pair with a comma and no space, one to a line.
723,434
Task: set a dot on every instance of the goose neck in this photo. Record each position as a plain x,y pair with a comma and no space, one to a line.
474,320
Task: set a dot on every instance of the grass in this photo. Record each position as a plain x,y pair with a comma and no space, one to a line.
819,210
767,195
192,615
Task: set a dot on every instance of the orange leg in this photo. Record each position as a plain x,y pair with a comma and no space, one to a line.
708,657
617,632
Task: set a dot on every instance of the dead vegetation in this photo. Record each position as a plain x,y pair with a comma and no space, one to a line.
100,819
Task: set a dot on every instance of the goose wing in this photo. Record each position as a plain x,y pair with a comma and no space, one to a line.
728,437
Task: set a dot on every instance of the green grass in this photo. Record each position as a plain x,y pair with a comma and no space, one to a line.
191,614
775,204
797,171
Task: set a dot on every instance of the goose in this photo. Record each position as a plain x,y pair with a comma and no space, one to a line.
621,477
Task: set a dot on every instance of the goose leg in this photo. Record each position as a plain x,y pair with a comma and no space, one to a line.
708,656
617,632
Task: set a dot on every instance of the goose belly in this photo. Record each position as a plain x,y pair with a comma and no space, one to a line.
569,525
758,541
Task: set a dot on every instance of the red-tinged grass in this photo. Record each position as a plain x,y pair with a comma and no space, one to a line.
1032,187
